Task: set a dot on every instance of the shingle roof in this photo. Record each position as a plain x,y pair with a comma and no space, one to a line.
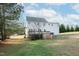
35,19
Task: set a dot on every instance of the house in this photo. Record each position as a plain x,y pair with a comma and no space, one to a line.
37,24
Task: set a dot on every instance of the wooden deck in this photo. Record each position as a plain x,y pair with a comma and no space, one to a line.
40,35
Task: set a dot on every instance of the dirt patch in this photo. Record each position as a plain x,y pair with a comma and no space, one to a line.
58,42
12,41
18,39
74,36
66,46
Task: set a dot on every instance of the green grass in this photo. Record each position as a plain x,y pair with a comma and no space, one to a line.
37,48
61,45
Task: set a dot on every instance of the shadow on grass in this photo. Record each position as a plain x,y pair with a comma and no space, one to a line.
9,46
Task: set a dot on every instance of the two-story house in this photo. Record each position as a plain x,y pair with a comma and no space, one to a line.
37,24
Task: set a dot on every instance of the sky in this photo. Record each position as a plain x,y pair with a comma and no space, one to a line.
62,13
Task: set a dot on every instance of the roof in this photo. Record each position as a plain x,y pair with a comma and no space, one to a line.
53,23
35,19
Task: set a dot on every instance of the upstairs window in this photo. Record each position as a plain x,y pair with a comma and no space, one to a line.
28,22
43,24
37,23
52,24
48,24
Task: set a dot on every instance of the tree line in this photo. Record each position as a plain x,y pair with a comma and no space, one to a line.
63,28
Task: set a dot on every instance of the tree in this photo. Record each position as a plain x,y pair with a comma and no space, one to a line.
72,29
76,28
67,28
14,27
62,28
8,11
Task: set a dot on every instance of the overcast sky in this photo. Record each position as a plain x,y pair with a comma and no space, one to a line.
67,13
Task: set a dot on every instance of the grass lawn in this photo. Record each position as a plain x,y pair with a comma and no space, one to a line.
63,45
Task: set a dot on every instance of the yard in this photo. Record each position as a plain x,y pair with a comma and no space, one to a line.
62,45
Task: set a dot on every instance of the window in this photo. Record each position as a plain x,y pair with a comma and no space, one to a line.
43,24
48,24
44,30
30,30
28,22
39,30
52,24
37,23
